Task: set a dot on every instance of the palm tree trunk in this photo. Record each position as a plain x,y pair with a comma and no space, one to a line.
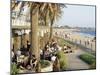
24,40
35,38
47,24
51,29
35,43
16,42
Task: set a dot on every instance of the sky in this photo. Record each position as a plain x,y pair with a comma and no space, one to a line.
77,15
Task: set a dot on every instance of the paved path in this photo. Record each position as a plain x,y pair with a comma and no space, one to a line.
74,63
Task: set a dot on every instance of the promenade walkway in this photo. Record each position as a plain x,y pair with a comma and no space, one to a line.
75,63
82,47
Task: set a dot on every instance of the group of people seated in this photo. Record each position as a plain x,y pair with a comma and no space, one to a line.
24,58
67,49
49,51
26,62
51,48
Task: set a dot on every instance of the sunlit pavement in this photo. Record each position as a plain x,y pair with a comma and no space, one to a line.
75,63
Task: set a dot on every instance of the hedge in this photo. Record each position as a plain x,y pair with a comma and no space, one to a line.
88,58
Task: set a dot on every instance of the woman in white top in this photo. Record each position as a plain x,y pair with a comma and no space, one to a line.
53,58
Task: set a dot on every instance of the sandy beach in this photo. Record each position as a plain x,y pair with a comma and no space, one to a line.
76,38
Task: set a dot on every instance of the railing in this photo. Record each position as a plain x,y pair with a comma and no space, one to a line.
87,45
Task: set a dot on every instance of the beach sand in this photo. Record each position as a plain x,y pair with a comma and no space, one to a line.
76,38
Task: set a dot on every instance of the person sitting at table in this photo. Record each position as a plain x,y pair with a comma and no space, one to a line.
46,54
52,43
23,61
68,47
53,58
33,61
28,45
20,62
65,47
47,45
14,56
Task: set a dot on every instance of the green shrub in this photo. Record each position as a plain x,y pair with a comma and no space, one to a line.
60,54
63,61
88,58
44,63
14,69
63,64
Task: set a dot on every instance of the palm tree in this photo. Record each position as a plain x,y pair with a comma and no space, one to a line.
50,12
57,13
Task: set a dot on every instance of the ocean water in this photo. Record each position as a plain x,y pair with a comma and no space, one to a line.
86,33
